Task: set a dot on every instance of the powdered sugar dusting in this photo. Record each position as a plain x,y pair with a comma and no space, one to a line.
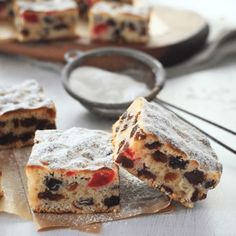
28,95
116,9
44,6
72,149
171,129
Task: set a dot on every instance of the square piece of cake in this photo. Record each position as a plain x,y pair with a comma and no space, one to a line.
6,9
24,109
119,23
159,148
45,20
72,172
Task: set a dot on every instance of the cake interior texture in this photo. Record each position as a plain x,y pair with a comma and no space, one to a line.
153,144
72,172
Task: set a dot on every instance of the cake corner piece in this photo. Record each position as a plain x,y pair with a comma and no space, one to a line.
159,148
72,171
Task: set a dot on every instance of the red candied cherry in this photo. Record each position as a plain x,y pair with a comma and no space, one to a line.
30,17
90,2
99,29
102,177
70,173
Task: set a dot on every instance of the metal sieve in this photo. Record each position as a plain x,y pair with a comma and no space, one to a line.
138,65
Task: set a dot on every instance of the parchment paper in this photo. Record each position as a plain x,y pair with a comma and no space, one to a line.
136,198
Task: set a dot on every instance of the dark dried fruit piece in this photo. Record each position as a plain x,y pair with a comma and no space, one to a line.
111,22
194,177
26,136
2,123
112,201
123,116
133,131
50,126
121,145
194,197
140,135
153,145
124,127
131,26
129,117
60,26
210,184
159,157
7,138
25,32
53,184
48,19
176,162
28,122
136,118
167,189
117,129
203,196
50,196
125,161
147,174
16,122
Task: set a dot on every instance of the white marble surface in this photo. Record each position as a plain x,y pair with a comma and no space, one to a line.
210,93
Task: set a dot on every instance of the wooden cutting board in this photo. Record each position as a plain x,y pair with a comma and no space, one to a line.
175,35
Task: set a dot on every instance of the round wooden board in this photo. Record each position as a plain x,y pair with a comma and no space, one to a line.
175,35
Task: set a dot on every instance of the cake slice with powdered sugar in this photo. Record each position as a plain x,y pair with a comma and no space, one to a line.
72,171
24,108
159,148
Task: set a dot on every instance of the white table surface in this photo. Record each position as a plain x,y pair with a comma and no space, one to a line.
211,93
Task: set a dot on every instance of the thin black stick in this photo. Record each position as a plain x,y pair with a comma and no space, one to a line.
205,133
197,116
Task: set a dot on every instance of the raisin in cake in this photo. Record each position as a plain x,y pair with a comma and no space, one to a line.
119,22
44,20
6,11
24,109
155,145
72,171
